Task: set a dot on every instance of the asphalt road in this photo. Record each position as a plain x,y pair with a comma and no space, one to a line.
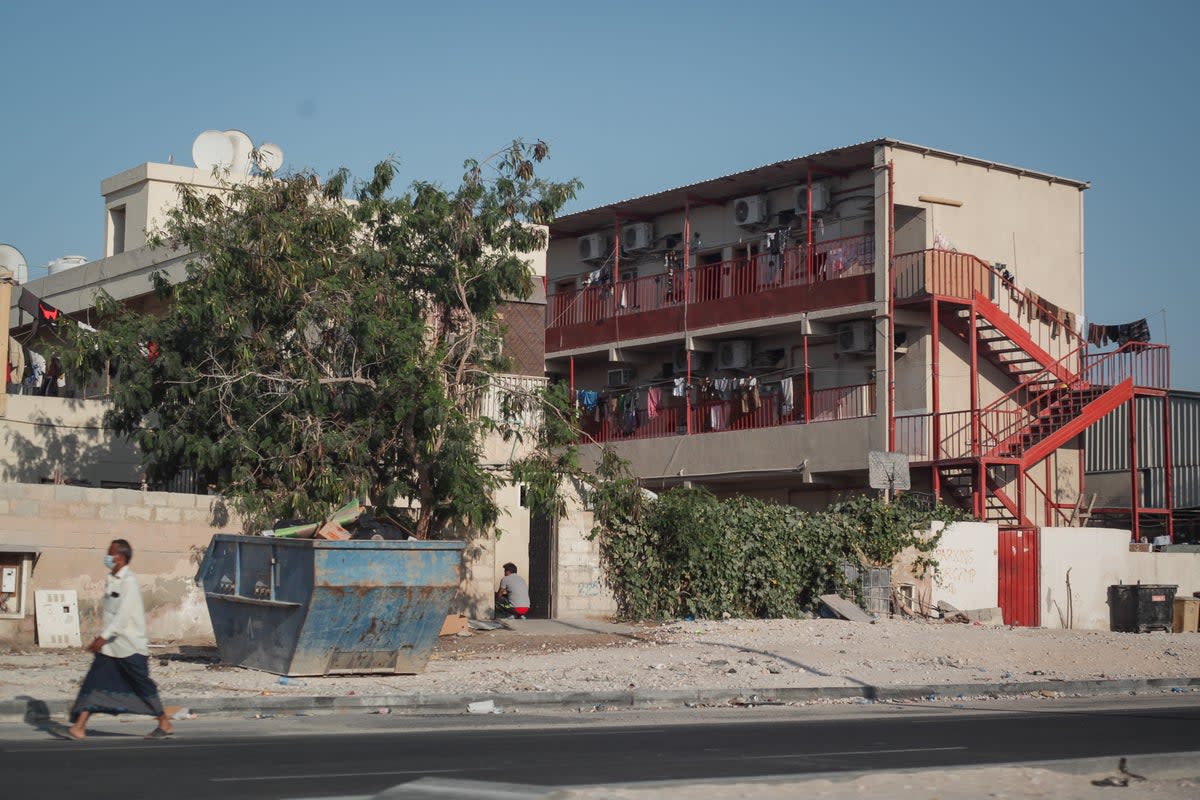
296,757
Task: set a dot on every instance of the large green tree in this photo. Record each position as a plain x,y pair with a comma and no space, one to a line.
331,339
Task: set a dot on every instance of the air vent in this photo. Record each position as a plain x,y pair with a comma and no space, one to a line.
820,199
637,237
734,354
750,210
856,336
625,376
700,361
593,247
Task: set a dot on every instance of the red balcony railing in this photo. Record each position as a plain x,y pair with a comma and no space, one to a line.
717,416
1147,365
797,266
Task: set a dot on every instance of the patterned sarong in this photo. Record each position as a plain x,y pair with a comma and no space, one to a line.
118,686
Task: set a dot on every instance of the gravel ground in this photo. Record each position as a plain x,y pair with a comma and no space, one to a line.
731,654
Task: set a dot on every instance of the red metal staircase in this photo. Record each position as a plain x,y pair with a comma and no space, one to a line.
981,458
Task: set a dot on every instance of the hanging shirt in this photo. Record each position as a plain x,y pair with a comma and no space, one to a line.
37,369
680,388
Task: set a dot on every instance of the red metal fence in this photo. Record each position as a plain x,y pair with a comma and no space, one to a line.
715,416
796,266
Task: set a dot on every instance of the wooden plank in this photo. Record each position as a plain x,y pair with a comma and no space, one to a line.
1187,615
844,608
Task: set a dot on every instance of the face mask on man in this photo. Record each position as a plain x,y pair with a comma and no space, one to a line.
109,561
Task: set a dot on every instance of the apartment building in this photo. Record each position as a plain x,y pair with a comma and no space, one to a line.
762,332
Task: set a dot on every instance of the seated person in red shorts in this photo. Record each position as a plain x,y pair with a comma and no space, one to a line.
512,598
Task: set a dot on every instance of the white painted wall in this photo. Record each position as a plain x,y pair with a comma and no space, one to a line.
1098,558
967,576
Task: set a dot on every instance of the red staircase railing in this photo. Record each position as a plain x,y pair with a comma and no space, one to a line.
1016,411
949,274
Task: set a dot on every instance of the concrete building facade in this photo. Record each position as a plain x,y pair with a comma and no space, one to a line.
762,332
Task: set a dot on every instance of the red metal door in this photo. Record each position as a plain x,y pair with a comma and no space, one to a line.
1018,566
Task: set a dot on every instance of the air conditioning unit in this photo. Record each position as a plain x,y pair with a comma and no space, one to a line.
637,237
856,336
820,199
700,361
621,377
593,247
750,210
734,354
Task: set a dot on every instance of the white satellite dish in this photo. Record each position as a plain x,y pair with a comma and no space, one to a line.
12,260
269,157
243,147
212,149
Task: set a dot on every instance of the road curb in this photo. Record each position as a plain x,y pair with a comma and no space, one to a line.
32,709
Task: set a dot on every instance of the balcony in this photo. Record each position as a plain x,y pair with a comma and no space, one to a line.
513,400
719,416
827,274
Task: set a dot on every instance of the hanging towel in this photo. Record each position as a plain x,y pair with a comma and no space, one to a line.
788,394
680,387
653,399
16,360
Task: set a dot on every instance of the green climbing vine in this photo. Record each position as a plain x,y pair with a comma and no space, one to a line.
687,553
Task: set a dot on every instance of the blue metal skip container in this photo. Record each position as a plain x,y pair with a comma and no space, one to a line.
317,607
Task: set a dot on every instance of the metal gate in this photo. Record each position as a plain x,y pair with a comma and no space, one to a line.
1019,577
542,536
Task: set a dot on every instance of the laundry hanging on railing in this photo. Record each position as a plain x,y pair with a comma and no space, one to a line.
653,401
1137,331
43,313
1043,310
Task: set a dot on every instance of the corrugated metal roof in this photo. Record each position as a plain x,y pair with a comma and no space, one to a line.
738,184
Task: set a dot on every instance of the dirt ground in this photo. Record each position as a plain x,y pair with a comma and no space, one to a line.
720,655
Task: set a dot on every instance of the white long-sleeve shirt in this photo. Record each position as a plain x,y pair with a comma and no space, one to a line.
124,618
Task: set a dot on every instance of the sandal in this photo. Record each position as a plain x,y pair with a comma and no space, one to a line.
159,733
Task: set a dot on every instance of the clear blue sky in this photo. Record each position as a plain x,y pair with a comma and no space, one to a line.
633,97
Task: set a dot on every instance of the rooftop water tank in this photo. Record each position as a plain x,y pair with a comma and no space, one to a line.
65,263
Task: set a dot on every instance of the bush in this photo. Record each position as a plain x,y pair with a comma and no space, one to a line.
686,553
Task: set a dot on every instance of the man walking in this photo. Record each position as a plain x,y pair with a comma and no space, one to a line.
512,599
119,679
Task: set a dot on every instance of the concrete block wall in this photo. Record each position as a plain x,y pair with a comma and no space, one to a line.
580,590
72,527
